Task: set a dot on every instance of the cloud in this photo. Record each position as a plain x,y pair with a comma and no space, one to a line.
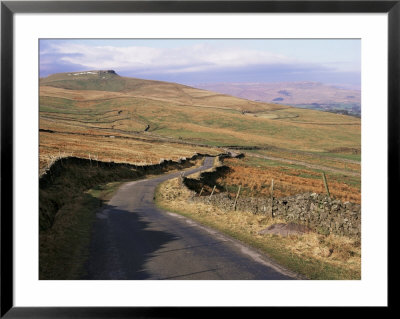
202,62
196,58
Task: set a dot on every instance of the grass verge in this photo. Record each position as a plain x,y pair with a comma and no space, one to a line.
64,248
312,255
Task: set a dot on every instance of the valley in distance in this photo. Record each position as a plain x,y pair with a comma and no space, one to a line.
283,181
311,95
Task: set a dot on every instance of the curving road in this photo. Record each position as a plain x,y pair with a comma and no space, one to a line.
133,239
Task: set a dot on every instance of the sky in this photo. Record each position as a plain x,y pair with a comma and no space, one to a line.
196,61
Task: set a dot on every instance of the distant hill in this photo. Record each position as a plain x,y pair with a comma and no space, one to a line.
313,95
109,80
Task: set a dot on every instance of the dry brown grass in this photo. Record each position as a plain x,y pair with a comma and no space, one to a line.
54,145
326,159
336,251
79,95
287,181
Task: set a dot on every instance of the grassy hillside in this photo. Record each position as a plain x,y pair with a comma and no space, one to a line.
155,90
105,102
101,115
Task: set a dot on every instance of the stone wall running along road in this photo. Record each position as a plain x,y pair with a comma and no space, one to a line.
133,239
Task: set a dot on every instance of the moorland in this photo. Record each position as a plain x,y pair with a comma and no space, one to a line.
101,116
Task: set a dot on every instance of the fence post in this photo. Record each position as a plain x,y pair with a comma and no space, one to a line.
326,184
212,191
272,198
237,195
181,178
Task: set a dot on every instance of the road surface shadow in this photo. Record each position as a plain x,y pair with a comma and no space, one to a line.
121,244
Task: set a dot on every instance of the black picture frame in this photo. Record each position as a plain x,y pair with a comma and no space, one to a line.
9,8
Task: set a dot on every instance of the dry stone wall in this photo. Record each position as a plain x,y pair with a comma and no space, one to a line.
317,211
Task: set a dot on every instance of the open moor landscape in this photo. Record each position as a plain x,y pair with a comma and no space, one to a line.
102,117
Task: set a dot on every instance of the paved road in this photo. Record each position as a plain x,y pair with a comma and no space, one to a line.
133,239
